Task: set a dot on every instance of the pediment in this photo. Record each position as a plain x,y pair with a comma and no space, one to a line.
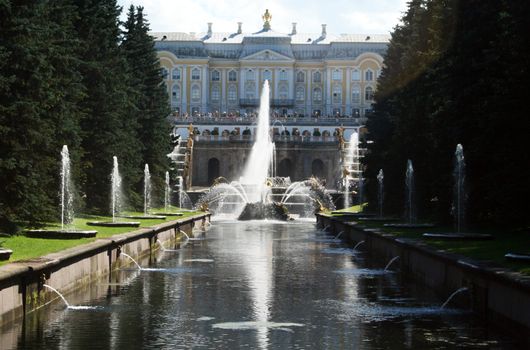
267,55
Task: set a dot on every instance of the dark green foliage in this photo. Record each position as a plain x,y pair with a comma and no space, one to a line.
150,103
39,94
110,128
65,79
455,73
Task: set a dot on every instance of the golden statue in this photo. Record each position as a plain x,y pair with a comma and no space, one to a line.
203,207
266,20
345,172
190,129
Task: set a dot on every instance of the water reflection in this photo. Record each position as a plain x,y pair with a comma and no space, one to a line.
255,285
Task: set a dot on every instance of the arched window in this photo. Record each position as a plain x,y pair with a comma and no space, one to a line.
300,93
285,168
300,77
317,169
195,92
216,93
336,75
317,95
356,95
216,76
317,77
283,92
195,74
213,170
175,75
369,93
232,93
165,73
283,75
250,90
250,74
369,75
175,93
337,94
355,74
267,75
232,75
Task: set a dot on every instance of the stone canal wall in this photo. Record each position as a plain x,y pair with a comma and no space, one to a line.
21,283
497,295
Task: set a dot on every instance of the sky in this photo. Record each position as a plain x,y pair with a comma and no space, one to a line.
341,16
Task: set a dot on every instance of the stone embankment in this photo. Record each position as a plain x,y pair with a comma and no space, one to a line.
21,282
497,295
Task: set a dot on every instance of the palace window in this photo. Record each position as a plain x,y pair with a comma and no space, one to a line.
250,90
355,74
283,75
195,74
195,92
337,94
283,92
336,75
175,93
356,112
165,73
369,75
356,95
232,93
317,95
250,74
175,75
216,93
369,94
232,75
300,77
267,75
300,93
317,77
216,76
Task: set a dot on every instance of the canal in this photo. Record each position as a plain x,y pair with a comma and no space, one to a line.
254,285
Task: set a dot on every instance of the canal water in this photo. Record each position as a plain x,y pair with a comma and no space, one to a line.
254,285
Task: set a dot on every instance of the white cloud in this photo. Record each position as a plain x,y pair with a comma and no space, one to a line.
341,16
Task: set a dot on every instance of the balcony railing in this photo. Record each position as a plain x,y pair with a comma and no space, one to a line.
276,138
277,122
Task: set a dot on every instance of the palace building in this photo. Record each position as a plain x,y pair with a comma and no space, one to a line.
309,74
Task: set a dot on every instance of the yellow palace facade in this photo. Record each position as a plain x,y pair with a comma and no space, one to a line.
309,74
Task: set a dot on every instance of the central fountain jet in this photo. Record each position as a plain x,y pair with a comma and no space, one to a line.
258,170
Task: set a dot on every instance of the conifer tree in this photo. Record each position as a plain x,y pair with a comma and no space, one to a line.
110,127
151,99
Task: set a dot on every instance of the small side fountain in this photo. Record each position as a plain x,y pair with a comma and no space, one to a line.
380,201
67,207
358,245
116,197
410,202
451,297
459,201
394,259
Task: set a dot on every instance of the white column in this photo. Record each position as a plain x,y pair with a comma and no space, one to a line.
224,79
308,94
348,91
328,92
184,87
205,84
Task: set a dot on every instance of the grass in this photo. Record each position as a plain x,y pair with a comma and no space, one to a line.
354,209
27,248
489,251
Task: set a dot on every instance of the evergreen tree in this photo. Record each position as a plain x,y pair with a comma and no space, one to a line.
110,127
39,91
151,99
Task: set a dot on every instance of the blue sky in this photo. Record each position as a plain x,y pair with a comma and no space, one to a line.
341,16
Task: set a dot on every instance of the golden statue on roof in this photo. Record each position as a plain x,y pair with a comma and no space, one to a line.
266,19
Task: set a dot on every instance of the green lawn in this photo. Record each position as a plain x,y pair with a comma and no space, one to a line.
491,251
26,248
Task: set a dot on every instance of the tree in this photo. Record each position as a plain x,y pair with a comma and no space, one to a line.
151,99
